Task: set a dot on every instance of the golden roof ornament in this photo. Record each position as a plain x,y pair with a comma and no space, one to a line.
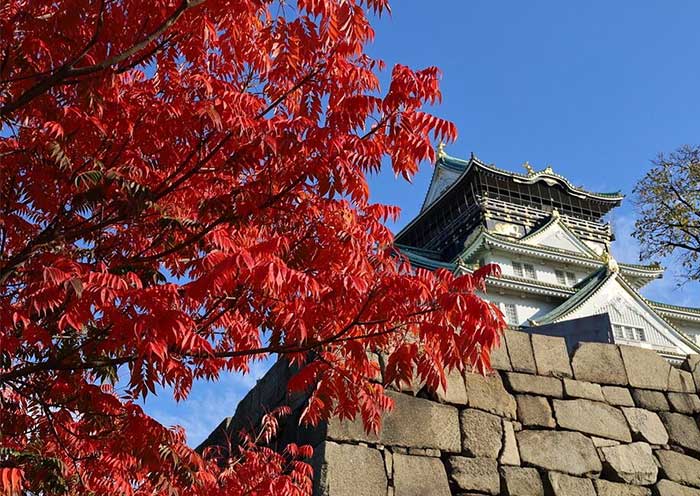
548,170
555,213
528,168
441,150
610,262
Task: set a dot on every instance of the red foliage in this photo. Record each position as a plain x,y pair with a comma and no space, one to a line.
183,189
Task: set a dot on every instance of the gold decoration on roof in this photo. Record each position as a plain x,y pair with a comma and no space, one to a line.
528,168
555,213
548,170
441,150
610,262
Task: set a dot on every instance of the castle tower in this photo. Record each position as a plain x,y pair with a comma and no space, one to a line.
553,245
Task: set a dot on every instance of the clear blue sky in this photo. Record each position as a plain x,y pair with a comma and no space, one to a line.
596,89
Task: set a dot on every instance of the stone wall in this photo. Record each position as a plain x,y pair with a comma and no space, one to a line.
608,421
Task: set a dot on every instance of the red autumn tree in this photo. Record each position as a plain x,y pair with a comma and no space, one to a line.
183,189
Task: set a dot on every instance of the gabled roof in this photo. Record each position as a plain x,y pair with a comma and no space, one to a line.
481,237
592,285
555,228
547,175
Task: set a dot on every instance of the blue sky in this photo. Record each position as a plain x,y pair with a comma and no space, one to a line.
596,89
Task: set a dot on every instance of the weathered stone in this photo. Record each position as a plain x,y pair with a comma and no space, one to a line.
682,430
510,454
534,411
482,433
650,400
583,389
551,356
681,381
668,488
692,365
389,463
499,357
592,417
532,384
679,467
348,470
424,452
418,475
455,392
631,463
646,368
645,425
618,396
566,485
522,481
520,352
560,451
607,488
684,403
475,474
439,426
601,442
599,362
487,393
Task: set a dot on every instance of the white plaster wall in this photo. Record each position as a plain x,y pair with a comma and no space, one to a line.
545,269
528,307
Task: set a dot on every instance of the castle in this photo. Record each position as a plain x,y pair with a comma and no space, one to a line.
553,245
617,418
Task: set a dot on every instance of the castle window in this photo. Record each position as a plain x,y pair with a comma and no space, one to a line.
629,333
565,278
510,311
530,271
518,269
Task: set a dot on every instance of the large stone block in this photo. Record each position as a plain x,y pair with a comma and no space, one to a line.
522,359
532,384
607,488
688,404
534,411
631,463
475,474
487,393
455,392
439,426
650,400
617,396
645,368
645,425
679,467
482,433
599,362
583,389
560,451
682,430
419,475
669,488
522,481
692,365
349,470
499,357
681,381
551,356
592,417
566,485
510,454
